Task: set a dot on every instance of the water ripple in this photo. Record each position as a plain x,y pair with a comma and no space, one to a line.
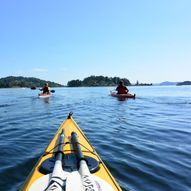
144,142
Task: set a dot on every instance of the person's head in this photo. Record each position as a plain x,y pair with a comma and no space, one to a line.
46,84
121,82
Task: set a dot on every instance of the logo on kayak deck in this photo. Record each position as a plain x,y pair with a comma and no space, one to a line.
87,183
55,186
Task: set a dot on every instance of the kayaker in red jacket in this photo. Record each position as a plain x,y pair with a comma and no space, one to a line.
45,89
121,88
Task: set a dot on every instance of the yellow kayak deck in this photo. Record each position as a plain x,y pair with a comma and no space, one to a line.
69,126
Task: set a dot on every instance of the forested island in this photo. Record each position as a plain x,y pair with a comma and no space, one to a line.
93,81
12,81
184,83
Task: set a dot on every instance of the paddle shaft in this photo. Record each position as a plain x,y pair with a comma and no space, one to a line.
77,147
59,153
34,88
58,177
88,181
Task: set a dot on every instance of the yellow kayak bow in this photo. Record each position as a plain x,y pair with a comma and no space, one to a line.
70,163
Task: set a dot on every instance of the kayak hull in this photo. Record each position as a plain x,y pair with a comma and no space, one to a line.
100,173
44,95
114,94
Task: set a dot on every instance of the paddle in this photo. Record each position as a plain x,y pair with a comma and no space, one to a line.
58,178
88,180
34,88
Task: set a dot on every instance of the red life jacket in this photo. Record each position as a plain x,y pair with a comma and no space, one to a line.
121,90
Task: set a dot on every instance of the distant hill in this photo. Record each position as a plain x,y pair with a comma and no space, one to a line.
167,83
184,83
20,81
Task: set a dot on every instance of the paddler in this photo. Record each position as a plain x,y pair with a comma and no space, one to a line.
121,88
46,89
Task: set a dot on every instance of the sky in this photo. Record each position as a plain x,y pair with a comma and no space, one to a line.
144,40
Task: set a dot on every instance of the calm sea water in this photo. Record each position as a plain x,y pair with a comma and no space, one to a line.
146,142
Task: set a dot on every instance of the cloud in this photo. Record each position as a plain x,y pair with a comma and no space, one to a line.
40,70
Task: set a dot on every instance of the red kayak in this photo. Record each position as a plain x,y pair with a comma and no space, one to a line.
44,95
115,94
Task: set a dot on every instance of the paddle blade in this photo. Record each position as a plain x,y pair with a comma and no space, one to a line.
52,91
75,182
33,88
45,183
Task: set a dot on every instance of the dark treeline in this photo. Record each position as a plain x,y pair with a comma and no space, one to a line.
184,83
97,81
12,81
143,84
91,81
